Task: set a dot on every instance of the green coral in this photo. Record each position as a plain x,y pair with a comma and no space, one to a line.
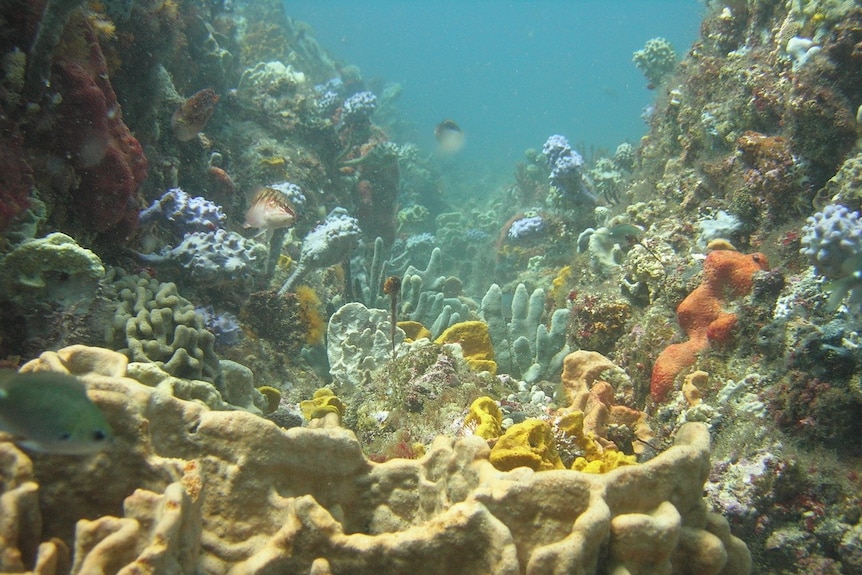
845,187
657,59
154,323
28,266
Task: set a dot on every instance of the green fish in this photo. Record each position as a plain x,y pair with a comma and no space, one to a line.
50,412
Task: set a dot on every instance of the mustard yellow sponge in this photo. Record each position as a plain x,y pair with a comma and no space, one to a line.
475,343
485,418
323,402
527,444
414,330
596,459
272,395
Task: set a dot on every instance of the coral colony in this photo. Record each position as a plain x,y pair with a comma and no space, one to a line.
265,312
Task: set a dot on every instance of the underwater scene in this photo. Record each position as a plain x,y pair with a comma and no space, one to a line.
430,288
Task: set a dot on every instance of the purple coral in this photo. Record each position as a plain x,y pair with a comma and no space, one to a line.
219,256
831,238
357,109
184,213
293,193
224,326
565,164
329,95
527,227
556,147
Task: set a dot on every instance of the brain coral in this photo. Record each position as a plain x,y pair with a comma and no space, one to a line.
154,323
230,492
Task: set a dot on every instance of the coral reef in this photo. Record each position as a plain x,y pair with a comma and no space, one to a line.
752,131
176,492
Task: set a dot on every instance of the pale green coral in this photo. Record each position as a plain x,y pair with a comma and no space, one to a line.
28,265
845,187
657,59
154,323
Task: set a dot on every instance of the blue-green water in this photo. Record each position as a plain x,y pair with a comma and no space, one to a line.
511,73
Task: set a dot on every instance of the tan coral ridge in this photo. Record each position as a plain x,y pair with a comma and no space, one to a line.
185,489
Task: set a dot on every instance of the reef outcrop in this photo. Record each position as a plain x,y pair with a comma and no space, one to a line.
185,489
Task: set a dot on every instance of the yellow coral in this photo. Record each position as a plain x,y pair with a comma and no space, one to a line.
324,401
527,444
284,262
475,343
414,330
273,161
309,310
272,395
485,418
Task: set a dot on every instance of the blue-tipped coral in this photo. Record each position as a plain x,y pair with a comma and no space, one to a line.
184,213
566,164
329,243
832,240
526,227
358,108
219,256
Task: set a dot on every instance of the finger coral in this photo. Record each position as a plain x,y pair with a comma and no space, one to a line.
726,274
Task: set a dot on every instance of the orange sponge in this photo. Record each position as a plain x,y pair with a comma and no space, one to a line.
726,274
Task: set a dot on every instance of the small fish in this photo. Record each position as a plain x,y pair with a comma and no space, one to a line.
450,137
50,412
269,209
192,116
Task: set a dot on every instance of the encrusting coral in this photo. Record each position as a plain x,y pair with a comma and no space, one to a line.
230,492
27,268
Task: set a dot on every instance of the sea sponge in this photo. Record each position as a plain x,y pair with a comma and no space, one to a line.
597,458
484,418
273,398
726,274
323,405
475,344
527,444
414,330
588,393
309,494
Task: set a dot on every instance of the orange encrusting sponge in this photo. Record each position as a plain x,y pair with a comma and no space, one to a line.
726,274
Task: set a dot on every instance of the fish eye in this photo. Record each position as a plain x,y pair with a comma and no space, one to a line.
99,435
66,436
